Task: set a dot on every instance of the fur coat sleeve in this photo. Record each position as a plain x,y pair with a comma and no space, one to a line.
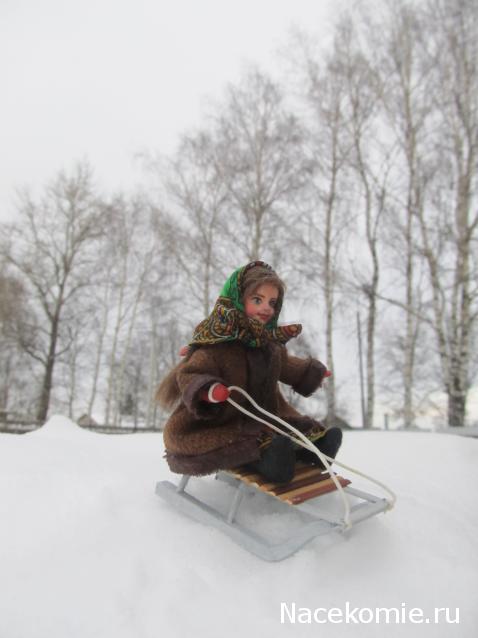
196,374
304,375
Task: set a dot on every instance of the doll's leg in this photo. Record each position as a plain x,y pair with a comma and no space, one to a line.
277,462
329,444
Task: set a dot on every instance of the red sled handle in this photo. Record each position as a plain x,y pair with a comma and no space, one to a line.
216,393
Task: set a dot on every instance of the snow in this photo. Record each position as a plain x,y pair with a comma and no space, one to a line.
88,550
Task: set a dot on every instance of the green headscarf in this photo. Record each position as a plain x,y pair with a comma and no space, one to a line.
228,320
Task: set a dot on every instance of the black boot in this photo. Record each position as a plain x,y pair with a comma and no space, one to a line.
328,444
277,463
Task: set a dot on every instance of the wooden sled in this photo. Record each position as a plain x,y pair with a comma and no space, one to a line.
309,483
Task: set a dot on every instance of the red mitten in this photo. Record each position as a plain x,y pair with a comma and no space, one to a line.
183,351
327,374
216,393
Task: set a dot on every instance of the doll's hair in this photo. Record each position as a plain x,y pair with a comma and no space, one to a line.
256,277
167,394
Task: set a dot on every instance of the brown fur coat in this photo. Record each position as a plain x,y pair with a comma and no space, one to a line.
201,437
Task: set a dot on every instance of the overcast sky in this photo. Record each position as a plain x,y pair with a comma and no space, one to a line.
105,79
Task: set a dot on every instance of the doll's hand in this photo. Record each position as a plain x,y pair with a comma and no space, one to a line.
216,393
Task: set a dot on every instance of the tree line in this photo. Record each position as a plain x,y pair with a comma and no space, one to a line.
354,175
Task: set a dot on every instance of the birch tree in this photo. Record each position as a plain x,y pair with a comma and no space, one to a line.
327,218
369,164
131,247
103,307
449,227
14,315
431,97
259,155
406,90
199,238
50,248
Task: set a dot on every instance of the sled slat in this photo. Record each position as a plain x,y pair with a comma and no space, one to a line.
302,495
303,482
308,482
302,471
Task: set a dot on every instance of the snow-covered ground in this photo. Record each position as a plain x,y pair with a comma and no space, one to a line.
88,550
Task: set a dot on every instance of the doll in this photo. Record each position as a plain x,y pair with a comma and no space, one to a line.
241,344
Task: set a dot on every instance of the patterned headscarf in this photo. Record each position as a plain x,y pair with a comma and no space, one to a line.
229,322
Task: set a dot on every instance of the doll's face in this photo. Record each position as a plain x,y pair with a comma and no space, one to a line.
261,303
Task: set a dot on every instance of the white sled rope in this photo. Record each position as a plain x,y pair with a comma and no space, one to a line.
320,522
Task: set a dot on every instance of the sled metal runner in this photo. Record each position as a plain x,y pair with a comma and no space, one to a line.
309,484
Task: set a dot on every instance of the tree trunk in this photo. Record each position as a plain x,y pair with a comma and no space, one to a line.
456,404
124,358
99,350
114,346
151,377
409,360
371,289
44,403
370,410
329,301
73,368
6,384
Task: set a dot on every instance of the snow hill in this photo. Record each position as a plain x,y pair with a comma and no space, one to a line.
87,550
